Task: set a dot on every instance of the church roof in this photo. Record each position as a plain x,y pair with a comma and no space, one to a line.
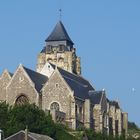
59,34
78,84
96,96
38,79
114,103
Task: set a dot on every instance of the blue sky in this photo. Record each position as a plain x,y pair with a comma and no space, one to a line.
106,34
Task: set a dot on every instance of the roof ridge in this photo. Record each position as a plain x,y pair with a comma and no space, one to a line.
66,70
74,80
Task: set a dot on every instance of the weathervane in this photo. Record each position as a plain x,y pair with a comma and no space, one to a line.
60,14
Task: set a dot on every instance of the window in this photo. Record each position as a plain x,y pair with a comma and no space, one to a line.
56,85
61,48
54,106
80,110
49,48
76,107
21,100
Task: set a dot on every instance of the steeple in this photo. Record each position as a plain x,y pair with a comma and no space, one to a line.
59,51
59,33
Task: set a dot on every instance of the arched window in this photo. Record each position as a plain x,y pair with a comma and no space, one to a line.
21,100
55,106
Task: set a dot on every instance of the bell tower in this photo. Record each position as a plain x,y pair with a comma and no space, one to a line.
59,50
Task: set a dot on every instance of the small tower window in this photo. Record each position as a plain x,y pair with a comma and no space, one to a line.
56,85
49,48
61,48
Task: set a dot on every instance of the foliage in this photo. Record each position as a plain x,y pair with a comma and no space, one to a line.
16,118
98,136
132,125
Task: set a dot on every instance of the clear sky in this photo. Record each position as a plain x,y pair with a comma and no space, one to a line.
106,34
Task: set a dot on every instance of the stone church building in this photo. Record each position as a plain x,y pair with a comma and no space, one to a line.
58,87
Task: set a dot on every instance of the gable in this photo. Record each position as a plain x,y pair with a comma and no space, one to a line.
19,77
4,81
21,85
47,70
56,78
5,78
56,90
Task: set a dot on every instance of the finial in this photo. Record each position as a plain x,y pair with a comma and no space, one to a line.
60,14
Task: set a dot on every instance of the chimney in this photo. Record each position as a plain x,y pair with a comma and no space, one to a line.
26,133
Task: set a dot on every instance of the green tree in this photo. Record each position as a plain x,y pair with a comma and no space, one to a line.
4,113
16,118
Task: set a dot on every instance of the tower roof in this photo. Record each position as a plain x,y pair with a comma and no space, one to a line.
59,33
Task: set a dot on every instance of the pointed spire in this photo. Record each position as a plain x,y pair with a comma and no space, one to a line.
59,34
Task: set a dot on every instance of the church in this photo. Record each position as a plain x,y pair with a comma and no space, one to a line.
57,87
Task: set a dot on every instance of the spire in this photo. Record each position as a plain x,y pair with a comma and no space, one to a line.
59,34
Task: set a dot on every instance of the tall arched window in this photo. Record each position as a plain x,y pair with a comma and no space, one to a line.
54,106
21,100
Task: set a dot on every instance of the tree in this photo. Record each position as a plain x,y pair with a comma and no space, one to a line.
16,118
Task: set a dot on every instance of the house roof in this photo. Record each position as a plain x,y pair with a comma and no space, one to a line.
31,136
96,96
59,33
38,79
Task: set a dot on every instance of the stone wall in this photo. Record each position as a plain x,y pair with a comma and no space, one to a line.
66,60
87,113
4,80
21,85
79,111
112,118
119,119
97,118
125,123
56,90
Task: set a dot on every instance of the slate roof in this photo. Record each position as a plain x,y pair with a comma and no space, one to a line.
59,34
78,84
31,136
38,79
11,74
114,103
96,96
